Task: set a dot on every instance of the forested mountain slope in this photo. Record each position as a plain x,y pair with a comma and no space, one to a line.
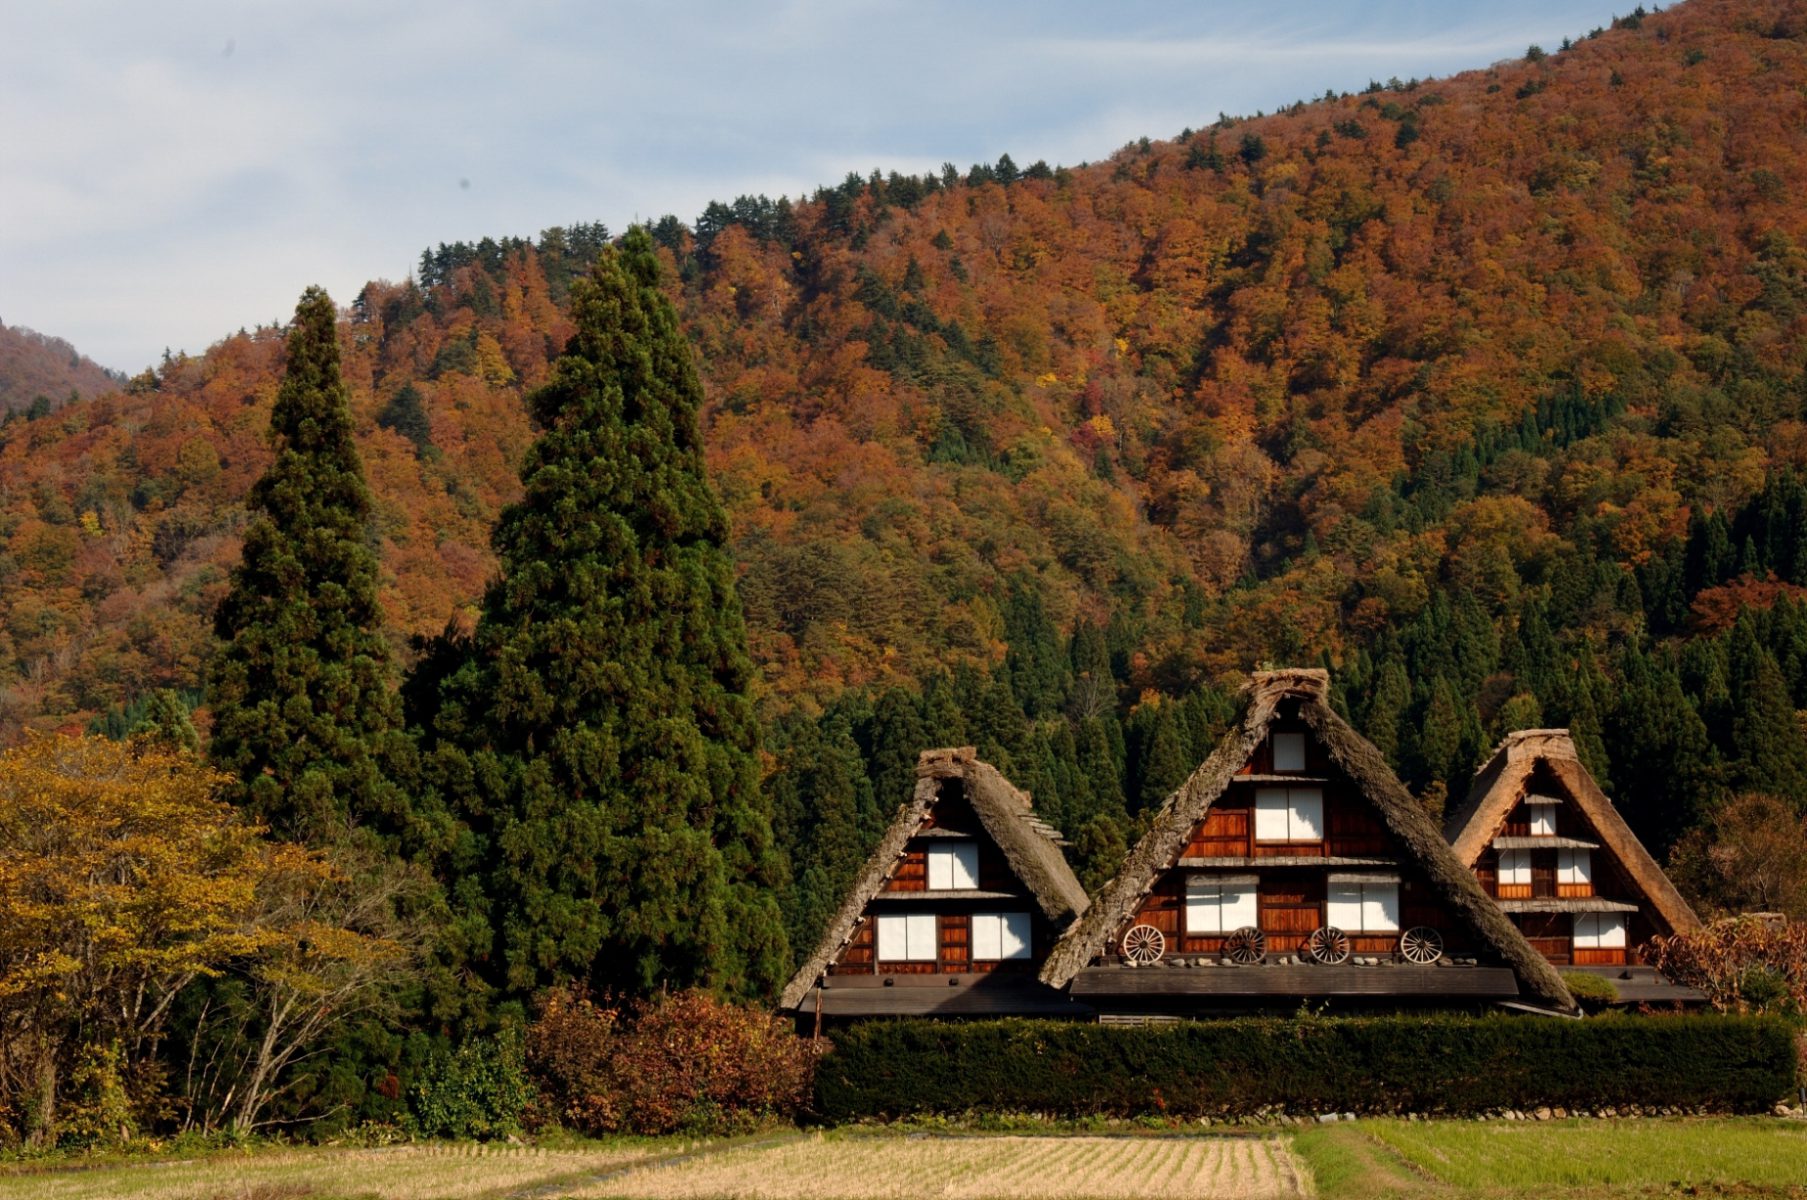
46,371
1490,391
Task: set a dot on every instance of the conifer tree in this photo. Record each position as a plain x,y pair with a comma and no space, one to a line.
1766,746
603,714
303,712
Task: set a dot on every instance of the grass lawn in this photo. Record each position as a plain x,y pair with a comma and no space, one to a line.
1748,1157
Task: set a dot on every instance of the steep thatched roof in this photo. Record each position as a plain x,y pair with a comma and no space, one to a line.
1030,846
1358,759
1502,783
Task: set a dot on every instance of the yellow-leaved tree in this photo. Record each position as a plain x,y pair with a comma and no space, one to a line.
123,880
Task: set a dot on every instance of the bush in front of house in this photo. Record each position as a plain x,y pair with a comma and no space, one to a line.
1237,1067
682,1063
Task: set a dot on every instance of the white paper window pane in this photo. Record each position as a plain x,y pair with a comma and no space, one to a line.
1289,752
1543,821
1587,931
892,946
966,866
1574,866
1515,867
998,936
988,939
1015,934
1343,906
1380,907
1612,931
1306,815
1238,906
1204,906
953,867
1270,815
920,933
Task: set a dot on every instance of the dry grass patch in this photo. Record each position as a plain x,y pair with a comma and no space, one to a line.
468,1172
827,1167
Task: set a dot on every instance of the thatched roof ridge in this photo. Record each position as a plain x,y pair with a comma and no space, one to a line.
1356,757
1030,846
1501,783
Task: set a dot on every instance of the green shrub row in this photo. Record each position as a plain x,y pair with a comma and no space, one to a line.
1392,1064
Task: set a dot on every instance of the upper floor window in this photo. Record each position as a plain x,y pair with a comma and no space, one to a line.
1543,820
1289,814
1515,868
1219,905
907,937
1574,867
999,937
1362,905
955,866
1289,752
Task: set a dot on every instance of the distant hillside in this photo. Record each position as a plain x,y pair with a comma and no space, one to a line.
34,366
1329,383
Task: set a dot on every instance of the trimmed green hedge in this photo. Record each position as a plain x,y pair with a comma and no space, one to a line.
1395,1064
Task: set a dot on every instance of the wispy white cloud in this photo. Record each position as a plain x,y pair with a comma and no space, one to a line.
171,172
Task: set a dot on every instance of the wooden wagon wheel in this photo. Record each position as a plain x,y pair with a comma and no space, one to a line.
1247,945
1144,944
1327,945
1421,944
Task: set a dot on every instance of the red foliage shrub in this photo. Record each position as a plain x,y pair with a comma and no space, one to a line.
686,1063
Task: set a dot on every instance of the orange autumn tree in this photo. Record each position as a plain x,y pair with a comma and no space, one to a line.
123,880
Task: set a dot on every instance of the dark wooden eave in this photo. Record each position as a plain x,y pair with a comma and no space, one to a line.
1300,980
976,995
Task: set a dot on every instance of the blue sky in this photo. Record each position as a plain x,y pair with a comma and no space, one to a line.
172,171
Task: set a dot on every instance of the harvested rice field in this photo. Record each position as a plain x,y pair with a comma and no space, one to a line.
468,1172
787,1166
980,1168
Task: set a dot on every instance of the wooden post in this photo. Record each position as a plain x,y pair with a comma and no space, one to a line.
817,1035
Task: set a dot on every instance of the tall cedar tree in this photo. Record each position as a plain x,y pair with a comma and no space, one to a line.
611,743
304,714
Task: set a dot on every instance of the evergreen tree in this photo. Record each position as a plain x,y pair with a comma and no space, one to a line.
823,816
603,717
408,416
1590,704
1161,761
304,716
1663,759
1387,708
895,738
1033,662
1766,747
165,719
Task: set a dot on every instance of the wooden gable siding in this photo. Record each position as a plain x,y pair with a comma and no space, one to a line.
1289,904
1290,900
1228,829
912,874
951,813
1317,762
954,944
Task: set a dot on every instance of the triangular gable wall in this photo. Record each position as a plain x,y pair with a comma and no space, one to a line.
1005,814
1502,783
1407,824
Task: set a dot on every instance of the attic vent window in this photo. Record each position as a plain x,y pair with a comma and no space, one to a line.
1289,814
952,867
1543,821
1289,752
